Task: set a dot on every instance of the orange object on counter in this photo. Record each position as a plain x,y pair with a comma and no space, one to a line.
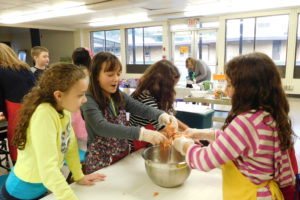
155,194
219,77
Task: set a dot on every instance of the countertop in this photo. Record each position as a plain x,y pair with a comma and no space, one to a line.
128,180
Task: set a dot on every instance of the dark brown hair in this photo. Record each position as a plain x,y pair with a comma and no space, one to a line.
59,77
159,79
257,85
109,62
81,57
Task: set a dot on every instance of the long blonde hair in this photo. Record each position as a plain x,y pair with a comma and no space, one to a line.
8,58
59,77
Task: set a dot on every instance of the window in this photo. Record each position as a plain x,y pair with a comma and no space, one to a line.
262,34
297,62
108,41
144,45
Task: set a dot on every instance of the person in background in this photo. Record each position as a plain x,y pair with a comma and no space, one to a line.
105,115
45,138
40,55
81,57
16,81
200,69
156,89
253,145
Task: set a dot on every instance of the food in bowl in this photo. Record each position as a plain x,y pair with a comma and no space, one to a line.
166,167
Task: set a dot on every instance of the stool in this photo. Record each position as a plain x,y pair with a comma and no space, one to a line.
297,190
81,156
4,162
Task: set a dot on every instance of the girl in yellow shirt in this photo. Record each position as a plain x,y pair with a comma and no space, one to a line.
45,138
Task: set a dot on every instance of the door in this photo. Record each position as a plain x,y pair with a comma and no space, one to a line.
199,44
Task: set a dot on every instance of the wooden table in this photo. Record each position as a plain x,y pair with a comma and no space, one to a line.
210,99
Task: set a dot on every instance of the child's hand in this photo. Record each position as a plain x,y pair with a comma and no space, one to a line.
165,119
153,137
89,179
201,134
180,142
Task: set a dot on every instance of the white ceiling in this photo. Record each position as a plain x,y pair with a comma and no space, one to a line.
155,10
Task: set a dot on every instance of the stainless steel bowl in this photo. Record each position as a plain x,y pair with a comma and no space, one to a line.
166,168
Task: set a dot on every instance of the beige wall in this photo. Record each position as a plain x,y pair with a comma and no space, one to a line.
59,43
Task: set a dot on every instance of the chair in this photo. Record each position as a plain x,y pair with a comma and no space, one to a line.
3,179
297,190
4,161
81,156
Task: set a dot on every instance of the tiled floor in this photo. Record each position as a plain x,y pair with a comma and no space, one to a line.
294,115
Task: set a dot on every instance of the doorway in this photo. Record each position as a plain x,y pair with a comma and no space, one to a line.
199,44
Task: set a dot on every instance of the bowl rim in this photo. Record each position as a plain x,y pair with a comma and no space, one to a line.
171,163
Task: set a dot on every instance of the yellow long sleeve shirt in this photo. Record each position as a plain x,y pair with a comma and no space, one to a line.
50,141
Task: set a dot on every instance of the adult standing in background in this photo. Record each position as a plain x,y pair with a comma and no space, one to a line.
16,79
200,68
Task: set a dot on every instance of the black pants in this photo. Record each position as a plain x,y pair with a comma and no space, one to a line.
4,195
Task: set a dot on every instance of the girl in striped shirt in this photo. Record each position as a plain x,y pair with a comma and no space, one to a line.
253,145
156,89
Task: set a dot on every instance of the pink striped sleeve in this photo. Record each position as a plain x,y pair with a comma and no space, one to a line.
222,150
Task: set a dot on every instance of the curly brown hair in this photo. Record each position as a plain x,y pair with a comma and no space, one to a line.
159,79
59,77
257,85
110,63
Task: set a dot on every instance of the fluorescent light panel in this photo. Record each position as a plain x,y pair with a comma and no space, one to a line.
236,6
64,9
124,19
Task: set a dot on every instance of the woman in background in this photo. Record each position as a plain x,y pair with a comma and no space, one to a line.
199,68
15,82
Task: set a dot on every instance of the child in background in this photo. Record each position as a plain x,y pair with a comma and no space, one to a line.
40,56
45,138
252,146
105,115
15,82
156,89
81,57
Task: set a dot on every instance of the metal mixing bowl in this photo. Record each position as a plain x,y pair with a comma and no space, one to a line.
166,168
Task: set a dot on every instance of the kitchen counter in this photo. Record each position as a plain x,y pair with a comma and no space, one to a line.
128,180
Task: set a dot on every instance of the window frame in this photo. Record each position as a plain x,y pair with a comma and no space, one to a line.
92,40
281,68
138,68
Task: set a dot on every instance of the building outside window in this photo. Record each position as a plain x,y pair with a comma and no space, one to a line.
262,34
108,41
144,45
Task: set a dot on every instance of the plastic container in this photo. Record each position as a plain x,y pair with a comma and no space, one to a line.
219,85
195,116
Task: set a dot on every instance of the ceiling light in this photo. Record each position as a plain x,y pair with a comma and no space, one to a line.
124,19
236,6
59,10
